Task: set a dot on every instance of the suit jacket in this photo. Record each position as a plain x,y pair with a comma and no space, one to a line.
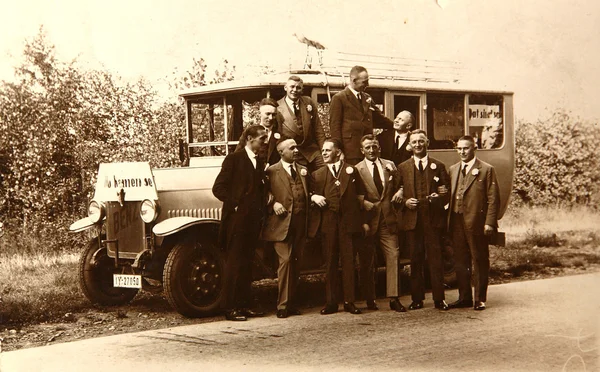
435,175
382,202
240,186
351,196
350,119
481,200
278,183
311,138
387,142
268,152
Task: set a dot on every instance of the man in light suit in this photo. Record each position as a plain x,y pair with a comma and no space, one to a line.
352,114
425,183
240,186
382,187
337,191
394,143
268,120
473,220
299,119
286,221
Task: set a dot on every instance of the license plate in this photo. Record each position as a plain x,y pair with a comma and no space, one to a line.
127,281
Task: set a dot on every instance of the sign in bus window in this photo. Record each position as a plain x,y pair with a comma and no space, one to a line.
445,119
485,120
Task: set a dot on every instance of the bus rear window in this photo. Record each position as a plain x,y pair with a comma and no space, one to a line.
445,119
485,120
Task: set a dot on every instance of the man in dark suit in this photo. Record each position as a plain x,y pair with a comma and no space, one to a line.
299,119
240,186
286,221
382,185
425,183
268,119
337,191
352,114
473,219
394,142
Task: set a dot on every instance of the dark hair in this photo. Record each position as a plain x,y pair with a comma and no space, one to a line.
252,131
354,71
369,137
296,79
418,131
335,141
268,101
467,138
281,140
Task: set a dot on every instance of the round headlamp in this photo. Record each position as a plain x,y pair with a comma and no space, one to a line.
148,211
96,211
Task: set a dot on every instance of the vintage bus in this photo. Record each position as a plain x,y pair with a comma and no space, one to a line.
165,237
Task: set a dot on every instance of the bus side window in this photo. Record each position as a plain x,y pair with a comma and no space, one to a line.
485,120
445,119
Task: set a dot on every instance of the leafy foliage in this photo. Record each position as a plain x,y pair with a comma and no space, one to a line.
557,162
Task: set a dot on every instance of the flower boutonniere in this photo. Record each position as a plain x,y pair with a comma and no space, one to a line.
277,135
349,170
389,168
303,172
475,172
436,179
433,166
309,108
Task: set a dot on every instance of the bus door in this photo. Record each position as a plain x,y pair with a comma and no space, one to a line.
412,102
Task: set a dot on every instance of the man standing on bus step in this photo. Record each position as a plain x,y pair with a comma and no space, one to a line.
382,186
240,186
268,119
286,221
299,120
423,217
474,206
337,191
394,142
352,114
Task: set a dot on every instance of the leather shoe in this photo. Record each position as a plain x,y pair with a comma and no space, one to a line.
397,306
415,305
372,305
235,315
442,305
461,304
282,313
350,308
479,305
293,311
329,309
252,313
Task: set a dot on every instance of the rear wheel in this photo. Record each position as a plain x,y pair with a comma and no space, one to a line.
192,278
96,271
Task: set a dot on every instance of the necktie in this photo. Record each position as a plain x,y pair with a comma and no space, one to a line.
359,96
464,171
377,179
298,116
293,172
421,165
335,173
297,110
398,142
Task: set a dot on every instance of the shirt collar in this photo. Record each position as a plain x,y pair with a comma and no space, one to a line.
290,102
337,165
355,92
251,154
469,164
425,160
286,165
401,135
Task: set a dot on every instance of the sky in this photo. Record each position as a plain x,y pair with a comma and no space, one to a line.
547,52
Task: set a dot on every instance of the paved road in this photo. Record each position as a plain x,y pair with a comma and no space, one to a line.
543,325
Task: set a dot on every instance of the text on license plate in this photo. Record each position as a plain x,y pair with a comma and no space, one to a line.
127,281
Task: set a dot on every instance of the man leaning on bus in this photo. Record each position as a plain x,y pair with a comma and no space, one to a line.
474,205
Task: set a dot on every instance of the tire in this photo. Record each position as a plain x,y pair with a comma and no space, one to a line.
96,279
192,278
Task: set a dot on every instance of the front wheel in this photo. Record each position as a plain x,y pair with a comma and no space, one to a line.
192,278
96,271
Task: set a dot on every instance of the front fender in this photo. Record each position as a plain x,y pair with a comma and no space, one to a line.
81,225
176,224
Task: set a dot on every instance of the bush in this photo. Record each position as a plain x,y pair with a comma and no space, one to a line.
556,162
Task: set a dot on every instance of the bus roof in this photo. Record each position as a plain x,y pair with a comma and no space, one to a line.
320,78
